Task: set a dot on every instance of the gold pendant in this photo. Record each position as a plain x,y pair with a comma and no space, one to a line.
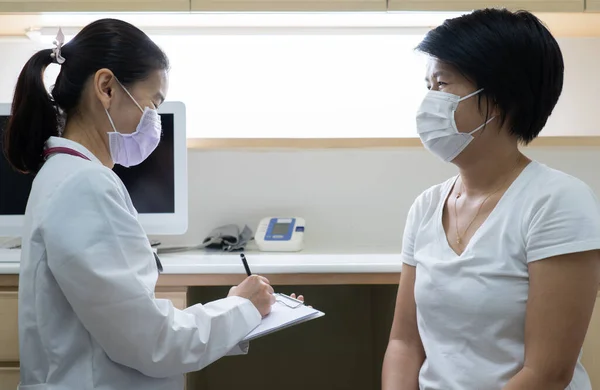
458,241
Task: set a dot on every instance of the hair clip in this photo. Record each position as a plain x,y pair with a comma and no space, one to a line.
59,41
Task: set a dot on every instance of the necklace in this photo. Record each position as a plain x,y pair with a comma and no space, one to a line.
459,237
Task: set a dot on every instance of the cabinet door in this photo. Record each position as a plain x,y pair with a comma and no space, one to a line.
288,5
591,347
92,5
592,5
9,327
9,378
178,297
468,5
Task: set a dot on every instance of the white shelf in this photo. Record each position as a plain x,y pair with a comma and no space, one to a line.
260,263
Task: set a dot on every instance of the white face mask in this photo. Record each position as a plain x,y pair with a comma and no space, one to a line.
437,128
132,149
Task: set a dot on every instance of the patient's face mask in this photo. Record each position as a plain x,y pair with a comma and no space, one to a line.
436,125
132,149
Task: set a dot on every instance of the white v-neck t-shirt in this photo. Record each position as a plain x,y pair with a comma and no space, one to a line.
471,308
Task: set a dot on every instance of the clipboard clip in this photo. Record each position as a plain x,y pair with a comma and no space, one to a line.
288,301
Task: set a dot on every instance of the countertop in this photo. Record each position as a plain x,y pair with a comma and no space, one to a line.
202,262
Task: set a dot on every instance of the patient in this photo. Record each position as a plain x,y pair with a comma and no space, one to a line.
501,262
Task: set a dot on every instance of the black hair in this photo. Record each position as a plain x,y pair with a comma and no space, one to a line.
37,115
512,56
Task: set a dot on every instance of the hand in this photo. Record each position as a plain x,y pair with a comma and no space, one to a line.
258,290
300,297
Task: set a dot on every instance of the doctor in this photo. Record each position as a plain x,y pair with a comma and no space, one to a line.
88,317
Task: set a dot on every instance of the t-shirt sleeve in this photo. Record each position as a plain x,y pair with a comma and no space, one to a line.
408,240
566,220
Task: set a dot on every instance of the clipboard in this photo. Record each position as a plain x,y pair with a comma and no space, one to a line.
285,312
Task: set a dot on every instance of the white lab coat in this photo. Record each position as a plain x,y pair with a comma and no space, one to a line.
88,318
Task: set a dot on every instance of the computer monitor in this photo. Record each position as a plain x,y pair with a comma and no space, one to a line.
158,186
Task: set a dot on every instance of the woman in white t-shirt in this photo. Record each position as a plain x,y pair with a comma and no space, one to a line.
502,262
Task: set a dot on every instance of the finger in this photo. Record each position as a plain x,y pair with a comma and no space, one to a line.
270,289
264,279
267,312
301,298
272,299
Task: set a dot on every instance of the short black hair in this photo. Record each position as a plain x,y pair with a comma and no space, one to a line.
512,56
36,115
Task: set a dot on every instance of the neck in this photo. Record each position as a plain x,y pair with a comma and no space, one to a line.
484,174
87,135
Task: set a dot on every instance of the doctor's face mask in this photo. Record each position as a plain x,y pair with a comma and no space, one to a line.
436,124
132,149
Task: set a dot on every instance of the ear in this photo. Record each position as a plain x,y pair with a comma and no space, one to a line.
104,86
491,107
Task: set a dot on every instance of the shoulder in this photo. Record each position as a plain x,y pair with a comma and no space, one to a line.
430,198
93,179
88,186
552,190
562,214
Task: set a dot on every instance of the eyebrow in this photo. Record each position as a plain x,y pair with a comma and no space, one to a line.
438,74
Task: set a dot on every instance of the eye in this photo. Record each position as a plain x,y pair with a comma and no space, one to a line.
441,83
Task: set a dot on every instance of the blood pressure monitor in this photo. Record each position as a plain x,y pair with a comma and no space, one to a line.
276,234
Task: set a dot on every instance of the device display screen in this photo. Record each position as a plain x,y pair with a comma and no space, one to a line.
280,229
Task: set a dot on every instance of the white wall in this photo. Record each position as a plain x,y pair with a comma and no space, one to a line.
354,200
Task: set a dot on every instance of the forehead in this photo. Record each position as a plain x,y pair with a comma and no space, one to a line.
436,68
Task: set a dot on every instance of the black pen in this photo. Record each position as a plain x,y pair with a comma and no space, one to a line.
245,264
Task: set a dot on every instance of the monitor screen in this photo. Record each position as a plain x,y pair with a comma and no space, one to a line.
14,186
153,185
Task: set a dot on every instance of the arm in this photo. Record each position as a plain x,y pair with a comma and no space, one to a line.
405,355
562,293
562,242
101,259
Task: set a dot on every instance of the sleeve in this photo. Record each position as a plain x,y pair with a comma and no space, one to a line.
102,261
567,220
408,239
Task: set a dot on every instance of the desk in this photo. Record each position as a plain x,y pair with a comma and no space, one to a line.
342,350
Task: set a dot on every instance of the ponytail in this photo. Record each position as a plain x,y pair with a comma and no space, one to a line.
34,116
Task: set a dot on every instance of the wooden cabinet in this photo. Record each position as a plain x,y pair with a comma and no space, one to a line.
93,5
468,5
592,5
177,296
9,378
9,328
9,339
591,347
288,5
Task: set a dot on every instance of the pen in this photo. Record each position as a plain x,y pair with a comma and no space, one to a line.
245,264
158,263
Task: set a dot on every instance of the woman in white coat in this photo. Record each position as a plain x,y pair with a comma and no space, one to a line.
88,317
